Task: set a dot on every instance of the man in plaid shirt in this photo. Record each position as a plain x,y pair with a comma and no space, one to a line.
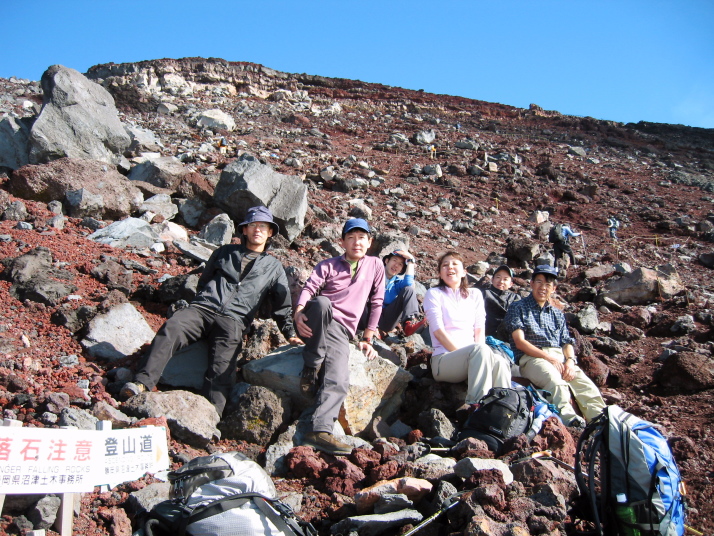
544,351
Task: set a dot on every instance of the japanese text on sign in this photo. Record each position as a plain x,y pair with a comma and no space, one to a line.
41,460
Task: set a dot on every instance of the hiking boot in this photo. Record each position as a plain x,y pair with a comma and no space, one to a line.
132,389
308,381
412,325
577,422
327,442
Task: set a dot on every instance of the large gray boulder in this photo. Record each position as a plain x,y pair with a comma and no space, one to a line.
219,230
191,418
130,232
246,182
52,181
375,390
644,286
78,120
14,143
164,172
119,332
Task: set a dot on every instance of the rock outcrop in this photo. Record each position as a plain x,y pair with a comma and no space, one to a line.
78,120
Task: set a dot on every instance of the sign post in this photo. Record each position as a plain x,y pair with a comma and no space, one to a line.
70,461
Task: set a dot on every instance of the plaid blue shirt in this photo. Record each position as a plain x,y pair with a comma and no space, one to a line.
543,327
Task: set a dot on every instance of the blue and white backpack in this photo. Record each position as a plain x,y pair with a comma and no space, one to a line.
617,454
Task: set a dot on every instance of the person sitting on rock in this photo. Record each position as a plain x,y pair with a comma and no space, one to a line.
400,299
456,319
326,317
544,351
497,299
236,280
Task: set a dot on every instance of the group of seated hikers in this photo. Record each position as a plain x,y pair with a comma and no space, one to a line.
358,293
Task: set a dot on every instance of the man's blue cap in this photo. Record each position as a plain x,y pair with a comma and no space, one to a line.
355,223
546,269
262,214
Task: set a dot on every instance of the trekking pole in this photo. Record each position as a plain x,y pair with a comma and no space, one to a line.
690,530
539,454
449,503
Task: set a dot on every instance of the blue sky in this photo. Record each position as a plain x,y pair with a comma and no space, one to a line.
625,60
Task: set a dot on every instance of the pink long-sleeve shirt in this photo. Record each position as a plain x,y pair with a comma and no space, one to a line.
459,317
332,278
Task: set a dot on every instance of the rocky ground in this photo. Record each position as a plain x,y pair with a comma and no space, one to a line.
495,166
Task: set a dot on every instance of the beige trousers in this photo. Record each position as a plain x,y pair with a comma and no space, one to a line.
478,365
544,375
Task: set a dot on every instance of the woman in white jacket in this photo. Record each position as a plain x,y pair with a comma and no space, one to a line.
457,318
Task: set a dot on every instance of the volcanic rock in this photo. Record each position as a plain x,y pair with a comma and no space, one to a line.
78,120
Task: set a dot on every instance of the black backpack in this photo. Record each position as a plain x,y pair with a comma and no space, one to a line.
555,235
502,414
223,494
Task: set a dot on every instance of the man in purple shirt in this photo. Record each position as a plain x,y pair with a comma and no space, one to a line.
326,317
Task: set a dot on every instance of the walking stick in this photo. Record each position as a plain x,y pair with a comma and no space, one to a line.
448,504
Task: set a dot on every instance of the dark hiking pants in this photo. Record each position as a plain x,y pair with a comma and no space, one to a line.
224,335
329,348
559,249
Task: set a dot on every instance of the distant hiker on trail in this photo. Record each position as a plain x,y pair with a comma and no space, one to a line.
432,152
236,280
559,236
457,318
497,299
326,316
544,351
400,299
613,224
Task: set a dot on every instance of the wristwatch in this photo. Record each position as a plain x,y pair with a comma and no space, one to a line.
368,340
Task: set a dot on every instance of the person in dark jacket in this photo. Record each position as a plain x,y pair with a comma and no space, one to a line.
237,278
496,300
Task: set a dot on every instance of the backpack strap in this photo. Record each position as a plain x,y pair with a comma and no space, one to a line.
212,508
283,517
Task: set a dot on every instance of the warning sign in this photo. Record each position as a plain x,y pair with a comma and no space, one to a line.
42,460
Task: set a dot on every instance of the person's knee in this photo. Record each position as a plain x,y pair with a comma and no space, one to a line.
317,307
322,302
407,292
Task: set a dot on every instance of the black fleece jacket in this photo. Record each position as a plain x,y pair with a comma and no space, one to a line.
220,288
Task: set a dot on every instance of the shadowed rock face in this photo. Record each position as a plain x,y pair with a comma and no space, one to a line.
78,120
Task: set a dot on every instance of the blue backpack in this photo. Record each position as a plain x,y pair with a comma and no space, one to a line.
618,454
